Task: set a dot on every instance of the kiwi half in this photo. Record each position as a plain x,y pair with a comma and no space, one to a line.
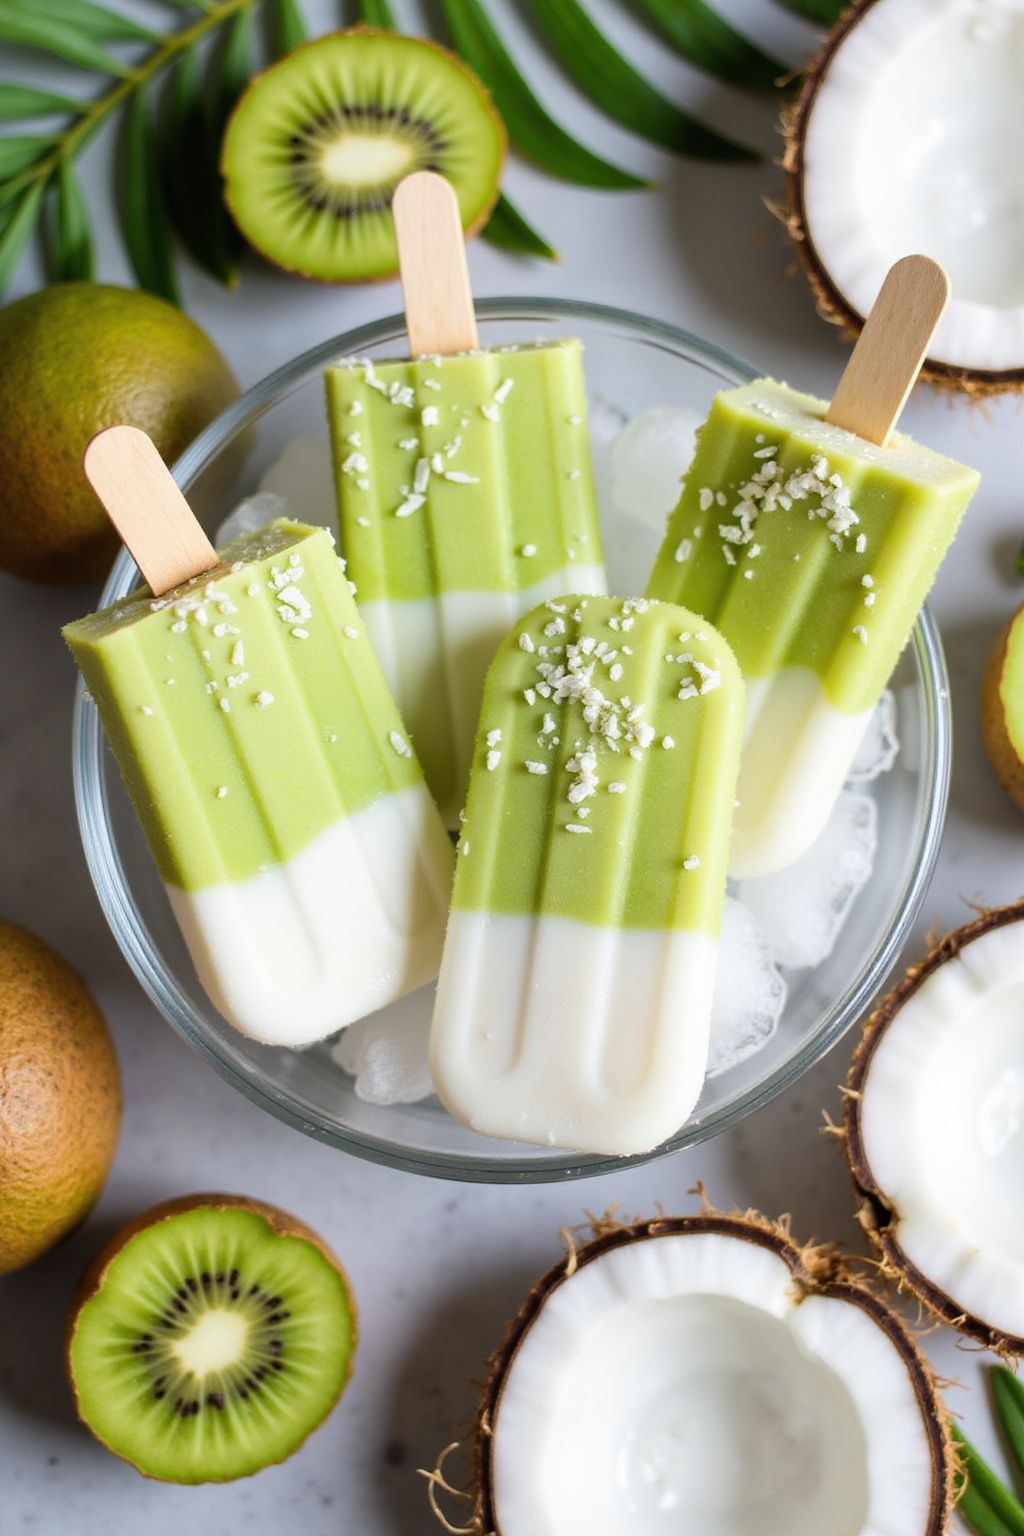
209,1338
317,144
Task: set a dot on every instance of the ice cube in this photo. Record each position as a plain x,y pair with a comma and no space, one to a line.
650,457
251,514
880,746
749,992
303,476
386,1052
803,908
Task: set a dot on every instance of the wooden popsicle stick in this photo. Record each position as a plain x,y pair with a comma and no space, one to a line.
144,504
439,313
887,358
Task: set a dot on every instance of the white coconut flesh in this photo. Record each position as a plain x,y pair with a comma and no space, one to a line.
679,1386
914,143
942,1127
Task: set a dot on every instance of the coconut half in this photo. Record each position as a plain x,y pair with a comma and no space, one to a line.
934,1126
706,1374
907,137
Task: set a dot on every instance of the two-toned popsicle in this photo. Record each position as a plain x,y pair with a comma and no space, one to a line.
574,998
302,854
811,549
465,493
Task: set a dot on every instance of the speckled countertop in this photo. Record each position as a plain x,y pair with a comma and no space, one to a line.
439,1267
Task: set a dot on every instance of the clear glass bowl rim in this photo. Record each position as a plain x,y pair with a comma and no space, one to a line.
112,889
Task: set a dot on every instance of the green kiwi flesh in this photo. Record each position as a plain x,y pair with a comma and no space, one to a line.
318,143
213,1342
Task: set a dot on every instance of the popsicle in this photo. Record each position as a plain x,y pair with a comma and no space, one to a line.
809,535
302,854
574,998
465,489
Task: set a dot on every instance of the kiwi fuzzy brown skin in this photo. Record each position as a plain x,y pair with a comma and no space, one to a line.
282,1223
469,231
60,1098
976,383
1002,752
876,1215
816,1270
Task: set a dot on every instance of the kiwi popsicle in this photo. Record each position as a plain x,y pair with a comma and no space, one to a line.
303,857
812,550
465,491
574,998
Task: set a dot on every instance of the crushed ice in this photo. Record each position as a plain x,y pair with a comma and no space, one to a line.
802,909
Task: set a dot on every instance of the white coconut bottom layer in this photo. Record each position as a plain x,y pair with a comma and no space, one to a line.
435,653
678,1386
906,150
797,752
352,922
571,1034
942,1120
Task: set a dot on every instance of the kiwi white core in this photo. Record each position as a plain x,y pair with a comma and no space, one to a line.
215,1342
365,160
679,1384
909,147
942,1126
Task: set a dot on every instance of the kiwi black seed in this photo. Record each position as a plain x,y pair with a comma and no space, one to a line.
318,143
209,1339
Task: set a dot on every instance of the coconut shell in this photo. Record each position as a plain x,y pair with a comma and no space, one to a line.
876,1214
998,742
816,1270
831,304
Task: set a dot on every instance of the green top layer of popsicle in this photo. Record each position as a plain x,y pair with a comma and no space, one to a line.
463,473
605,767
805,545
246,709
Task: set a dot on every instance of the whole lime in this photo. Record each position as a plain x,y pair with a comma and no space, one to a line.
73,359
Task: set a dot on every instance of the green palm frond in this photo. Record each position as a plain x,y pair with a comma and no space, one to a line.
172,96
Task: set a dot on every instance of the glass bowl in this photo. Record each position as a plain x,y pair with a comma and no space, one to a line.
636,363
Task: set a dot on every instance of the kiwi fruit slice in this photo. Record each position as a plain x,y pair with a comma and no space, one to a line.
209,1338
317,144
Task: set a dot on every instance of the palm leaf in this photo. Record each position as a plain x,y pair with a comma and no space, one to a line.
92,20
17,228
144,221
1009,1400
19,151
824,11
34,29
287,28
529,126
188,156
615,86
234,67
987,1506
69,248
21,102
507,229
704,38
378,13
